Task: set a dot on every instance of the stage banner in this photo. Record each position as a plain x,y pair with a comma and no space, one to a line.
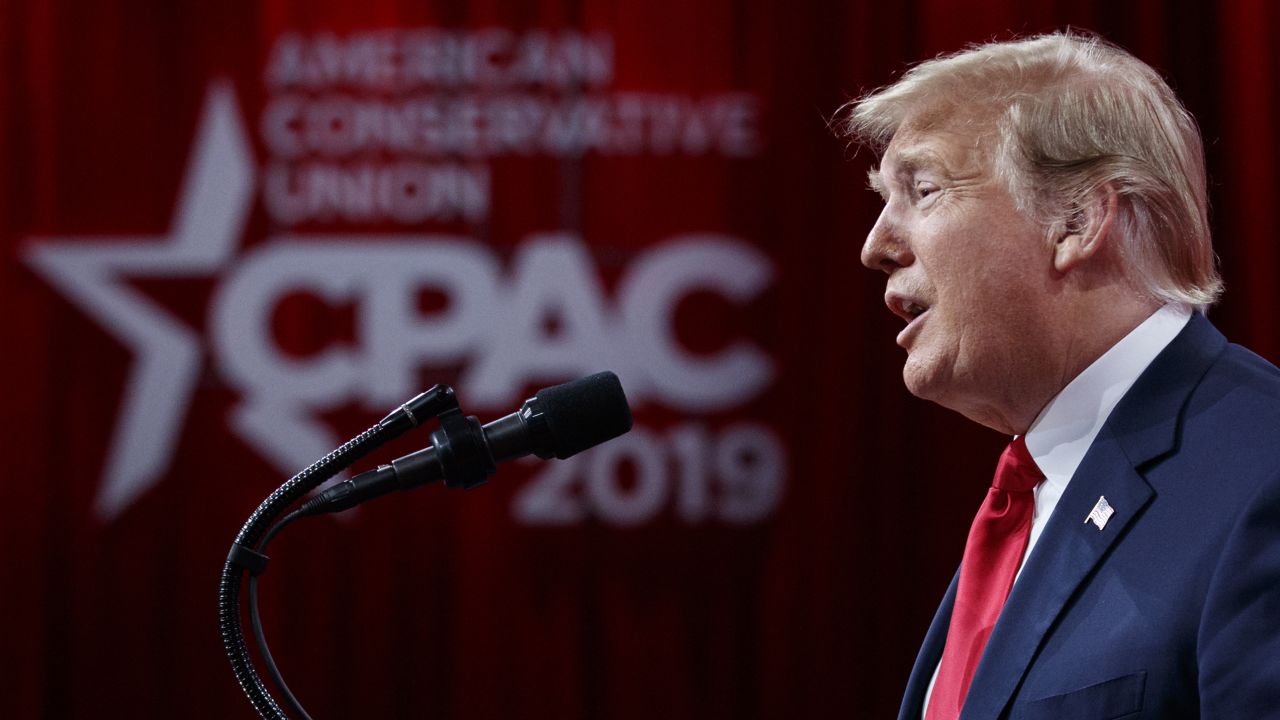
237,234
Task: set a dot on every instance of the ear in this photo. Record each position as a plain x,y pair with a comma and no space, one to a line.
1086,237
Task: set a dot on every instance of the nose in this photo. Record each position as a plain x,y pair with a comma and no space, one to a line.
886,247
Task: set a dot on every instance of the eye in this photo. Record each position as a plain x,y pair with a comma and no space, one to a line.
925,189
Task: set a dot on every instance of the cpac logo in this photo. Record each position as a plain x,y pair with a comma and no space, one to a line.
491,325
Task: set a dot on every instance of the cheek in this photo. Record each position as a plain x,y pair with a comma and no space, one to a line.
961,276
981,313
989,274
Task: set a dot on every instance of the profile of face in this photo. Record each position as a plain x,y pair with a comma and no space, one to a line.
971,274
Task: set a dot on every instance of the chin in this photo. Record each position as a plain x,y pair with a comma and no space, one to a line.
920,379
932,377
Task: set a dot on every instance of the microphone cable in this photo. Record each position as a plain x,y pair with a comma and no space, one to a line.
245,556
255,621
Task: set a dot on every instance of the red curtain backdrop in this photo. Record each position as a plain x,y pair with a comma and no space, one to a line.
233,238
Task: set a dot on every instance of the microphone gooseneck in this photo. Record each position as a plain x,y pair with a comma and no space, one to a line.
559,421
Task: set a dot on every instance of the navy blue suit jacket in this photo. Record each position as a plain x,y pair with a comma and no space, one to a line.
1173,609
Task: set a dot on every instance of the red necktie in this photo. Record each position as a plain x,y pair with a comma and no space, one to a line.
996,543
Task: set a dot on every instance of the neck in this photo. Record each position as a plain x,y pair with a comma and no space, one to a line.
1072,342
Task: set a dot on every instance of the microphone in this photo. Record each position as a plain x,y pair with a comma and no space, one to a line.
559,421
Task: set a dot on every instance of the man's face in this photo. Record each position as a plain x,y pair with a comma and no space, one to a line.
969,273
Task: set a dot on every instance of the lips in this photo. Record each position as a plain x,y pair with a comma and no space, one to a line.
911,308
912,329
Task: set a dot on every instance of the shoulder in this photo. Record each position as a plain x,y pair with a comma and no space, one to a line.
1239,394
1246,368
1203,403
1223,419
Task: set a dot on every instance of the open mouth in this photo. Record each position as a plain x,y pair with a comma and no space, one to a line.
913,327
906,307
910,309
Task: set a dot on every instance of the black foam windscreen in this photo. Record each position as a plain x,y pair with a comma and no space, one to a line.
585,412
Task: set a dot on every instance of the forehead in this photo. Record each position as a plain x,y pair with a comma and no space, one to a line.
954,149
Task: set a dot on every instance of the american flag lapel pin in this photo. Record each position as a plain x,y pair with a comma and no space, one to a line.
1101,513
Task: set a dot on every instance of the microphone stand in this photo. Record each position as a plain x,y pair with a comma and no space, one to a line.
558,421
246,555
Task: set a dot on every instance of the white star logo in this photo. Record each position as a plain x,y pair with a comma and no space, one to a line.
213,206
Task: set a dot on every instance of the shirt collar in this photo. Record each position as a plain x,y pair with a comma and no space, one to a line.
1060,436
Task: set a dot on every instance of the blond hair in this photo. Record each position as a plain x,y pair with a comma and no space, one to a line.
1074,116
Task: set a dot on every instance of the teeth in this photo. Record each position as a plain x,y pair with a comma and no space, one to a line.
914,310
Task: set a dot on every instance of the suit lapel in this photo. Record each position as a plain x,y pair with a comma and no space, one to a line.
1142,429
929,656
1064,557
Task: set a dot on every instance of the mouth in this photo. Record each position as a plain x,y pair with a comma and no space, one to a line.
911,309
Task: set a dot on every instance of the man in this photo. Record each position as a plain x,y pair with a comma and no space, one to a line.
1045,238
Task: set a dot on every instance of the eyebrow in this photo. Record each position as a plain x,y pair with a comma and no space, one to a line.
909,163
875,182
913,161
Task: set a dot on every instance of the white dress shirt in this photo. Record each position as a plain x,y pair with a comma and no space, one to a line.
1066,427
